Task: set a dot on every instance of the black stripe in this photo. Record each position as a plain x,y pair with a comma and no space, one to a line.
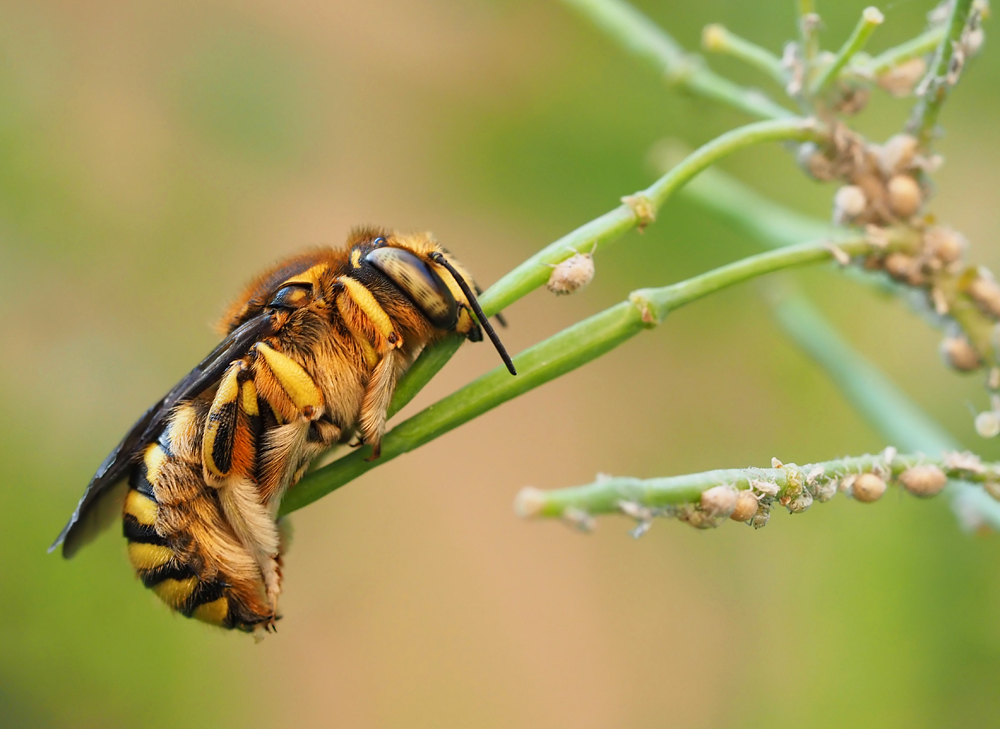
142,533
205,592
225,436
170,571
139,480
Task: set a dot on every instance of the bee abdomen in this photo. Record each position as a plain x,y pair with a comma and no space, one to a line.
163,569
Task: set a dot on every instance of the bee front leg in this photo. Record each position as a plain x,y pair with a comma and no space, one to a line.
378,394
229,457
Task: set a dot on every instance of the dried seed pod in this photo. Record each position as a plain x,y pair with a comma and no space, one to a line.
698,519
868,487
825,490
905,197
923,481
572,274
903,268
800,503
897,154
985,292
974,41
746,506
945,244
815,163
988,424
759,520
902,79
718,501
959,354
850,99
849,204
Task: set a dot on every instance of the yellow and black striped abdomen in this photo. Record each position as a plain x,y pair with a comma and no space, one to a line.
168,513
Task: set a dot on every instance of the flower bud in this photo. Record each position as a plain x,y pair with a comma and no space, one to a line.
945,244
985,292
960,354
572,274
988,424
746,506
905,197
848,204
719,501
923,480
897,154
868,487
903,268
714,37
902,79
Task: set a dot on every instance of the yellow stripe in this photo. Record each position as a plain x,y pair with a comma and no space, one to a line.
229,390
141,507
154,458
356,258
367,303
310,276
293,379
214,612
175,592
148,556
249,398
371,356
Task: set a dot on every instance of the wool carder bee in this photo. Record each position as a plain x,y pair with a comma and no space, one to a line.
311,356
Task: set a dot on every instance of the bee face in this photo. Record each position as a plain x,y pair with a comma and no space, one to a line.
312,352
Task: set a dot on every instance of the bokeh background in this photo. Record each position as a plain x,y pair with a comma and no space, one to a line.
153,156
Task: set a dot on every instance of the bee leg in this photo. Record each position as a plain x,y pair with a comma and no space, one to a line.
229,460
378,394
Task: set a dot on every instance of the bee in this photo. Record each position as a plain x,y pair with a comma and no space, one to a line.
311,356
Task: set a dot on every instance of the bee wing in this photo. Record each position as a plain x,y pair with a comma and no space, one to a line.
101,500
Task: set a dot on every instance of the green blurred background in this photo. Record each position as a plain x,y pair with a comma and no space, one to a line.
154,156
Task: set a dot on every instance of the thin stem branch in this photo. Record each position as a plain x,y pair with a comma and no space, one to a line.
607,494
808,31
717,38
935,88
871,18
898,55
639,35
561,353
889,410
534,272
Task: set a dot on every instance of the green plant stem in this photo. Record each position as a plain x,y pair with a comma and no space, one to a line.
898,55
719,39
871,18
925,114
606,495
535,271
639,35
808,31
565,351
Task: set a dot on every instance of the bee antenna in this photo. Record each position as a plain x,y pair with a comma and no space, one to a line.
438,258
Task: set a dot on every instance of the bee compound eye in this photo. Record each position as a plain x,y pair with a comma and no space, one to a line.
291,296
419,283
